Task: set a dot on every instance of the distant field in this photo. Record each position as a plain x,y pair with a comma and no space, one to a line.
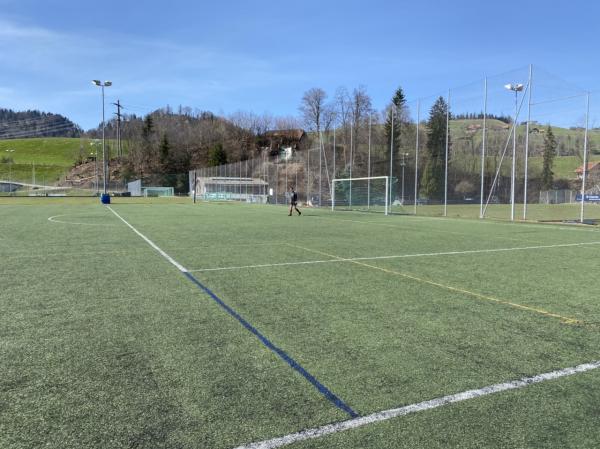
52,157
55,151
537,139
535,212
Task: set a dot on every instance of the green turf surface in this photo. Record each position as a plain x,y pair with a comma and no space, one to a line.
535,212
106,344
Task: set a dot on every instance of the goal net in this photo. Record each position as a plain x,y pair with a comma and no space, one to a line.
228,188
365,194
158,191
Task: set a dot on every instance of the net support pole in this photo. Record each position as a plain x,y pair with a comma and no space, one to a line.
286,173
392,112
527,143
387,189
369,166
334,151
483,142
320,166
585,148
513,170
351,159
417,155
446,157
332,195
307,176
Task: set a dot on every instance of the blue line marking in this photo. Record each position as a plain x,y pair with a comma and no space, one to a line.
280,352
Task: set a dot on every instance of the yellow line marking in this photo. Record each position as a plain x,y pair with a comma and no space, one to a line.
543,312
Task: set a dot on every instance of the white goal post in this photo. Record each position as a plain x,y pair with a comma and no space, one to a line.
370,193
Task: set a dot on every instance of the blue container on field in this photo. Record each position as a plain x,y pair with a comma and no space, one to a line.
105,198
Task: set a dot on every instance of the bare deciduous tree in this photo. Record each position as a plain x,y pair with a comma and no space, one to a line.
312,107
361,106
287,122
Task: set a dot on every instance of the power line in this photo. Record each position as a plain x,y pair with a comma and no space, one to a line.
34,120
27,133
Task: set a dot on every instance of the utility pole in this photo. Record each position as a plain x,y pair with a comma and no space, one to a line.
118,114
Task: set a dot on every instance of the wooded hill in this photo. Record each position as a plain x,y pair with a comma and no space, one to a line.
33,123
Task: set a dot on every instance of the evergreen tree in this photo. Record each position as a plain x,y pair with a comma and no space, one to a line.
217,156
549,155
23,124
432,181
396,107
148,128
164,152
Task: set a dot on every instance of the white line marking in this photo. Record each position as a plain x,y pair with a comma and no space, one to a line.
400,256
266,265
385,415
54,220
150,242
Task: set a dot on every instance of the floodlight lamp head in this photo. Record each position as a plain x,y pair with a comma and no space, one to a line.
96,83
517,87
108,83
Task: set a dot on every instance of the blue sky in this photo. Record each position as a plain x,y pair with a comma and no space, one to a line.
262,55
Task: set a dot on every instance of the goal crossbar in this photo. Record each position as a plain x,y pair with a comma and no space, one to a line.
368,179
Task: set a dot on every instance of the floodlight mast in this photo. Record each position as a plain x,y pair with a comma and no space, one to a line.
102,85
516,88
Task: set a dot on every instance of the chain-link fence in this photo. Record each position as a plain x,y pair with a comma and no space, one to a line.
488,149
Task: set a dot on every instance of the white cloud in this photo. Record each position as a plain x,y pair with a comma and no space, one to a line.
51,70
13,30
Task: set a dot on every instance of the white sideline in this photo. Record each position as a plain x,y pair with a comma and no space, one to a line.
399,256
151,243
413,408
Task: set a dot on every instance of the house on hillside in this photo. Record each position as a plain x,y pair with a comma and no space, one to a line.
593,170
284,141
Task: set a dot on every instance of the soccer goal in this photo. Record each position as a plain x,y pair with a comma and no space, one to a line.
158,191
366,194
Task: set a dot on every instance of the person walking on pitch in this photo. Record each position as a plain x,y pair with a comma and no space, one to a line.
293,202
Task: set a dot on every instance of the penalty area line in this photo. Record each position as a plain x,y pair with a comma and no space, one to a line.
385,415
564,319
150,242
322,389
397,256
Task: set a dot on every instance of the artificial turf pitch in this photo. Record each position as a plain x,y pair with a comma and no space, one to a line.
104,343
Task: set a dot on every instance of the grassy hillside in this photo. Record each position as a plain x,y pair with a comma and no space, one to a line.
52,157
569,140
58,151
466,138
564,167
